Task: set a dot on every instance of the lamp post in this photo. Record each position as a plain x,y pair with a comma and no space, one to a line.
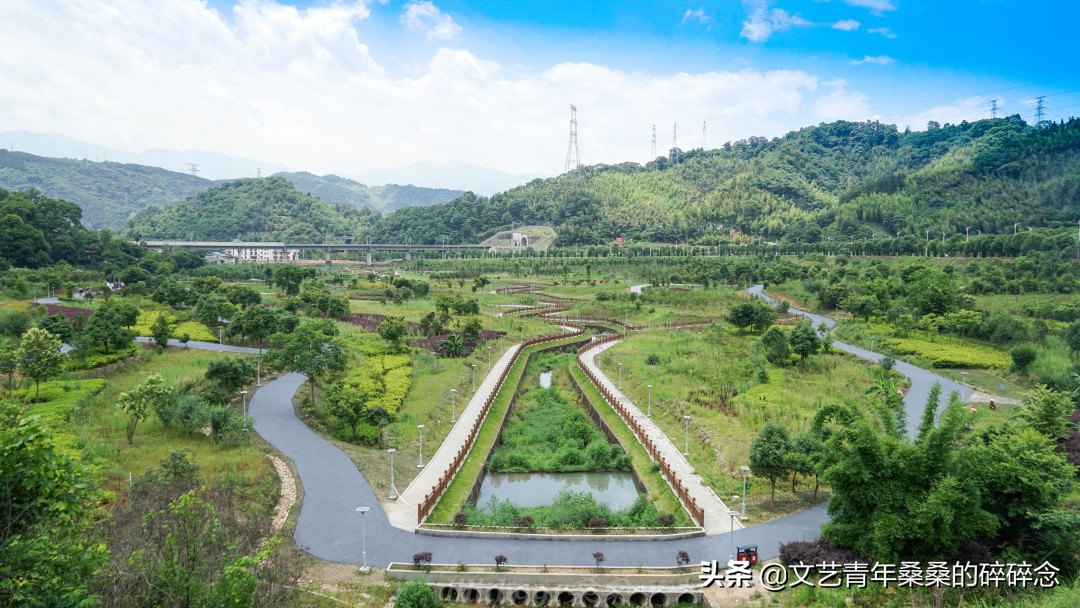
731,546
620,374
258,369
1015,225
453,405
686,450
872,339
927,252
219,334
963,376
363,537
420,456
474,377
243,395
650,402
393,489
967,234
745,470
489,357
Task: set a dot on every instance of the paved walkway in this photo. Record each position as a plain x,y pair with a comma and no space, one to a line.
402,514
717,519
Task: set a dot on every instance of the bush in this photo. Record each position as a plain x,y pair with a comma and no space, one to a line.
460,519
682,558
525,521
887,363
417,594
599,558
421,558
1022,358
667,520
816,552
500,560
230,373
652,359
225,424
598,522
14,324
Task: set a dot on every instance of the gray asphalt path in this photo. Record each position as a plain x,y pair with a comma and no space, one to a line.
921,379
330,528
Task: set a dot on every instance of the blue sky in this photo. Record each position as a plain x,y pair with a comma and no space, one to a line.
347,86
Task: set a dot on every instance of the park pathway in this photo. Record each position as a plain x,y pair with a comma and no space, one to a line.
717,519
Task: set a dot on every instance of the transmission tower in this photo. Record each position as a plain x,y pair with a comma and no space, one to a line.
675,142
653,156
194,168
258,172
573,156
703,136
993,108
1040,109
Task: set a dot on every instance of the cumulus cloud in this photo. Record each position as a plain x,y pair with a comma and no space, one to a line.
426,18
847,25
762,21
299,87
698,15
884,31
878,60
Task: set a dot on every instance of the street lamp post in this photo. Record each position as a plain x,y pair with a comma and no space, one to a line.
967,234
731,546
420,456
243,395
872,339
258,369
363,537
489,357
745,470
686,450
620,374
474,377
393,489
453,405
650,402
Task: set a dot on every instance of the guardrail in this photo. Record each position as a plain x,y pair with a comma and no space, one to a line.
697,513
424,507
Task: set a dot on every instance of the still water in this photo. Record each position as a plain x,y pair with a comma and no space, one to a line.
616,489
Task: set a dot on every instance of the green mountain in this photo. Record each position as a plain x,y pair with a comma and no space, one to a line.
108,193
269,209
341,191
838,180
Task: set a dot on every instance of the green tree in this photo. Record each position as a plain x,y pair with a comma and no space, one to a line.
23,244
347,403
452,346
230,374
742,315
48,553
804,341
393,329
417,594
311,349
242,295
805,457
289,278
151,395
39,357
161,331
1022,357
9,362
1072,338
768,454
213,310
775,345
59,326
1047,411
106,328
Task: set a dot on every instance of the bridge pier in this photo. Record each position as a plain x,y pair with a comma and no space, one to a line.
369,256
408,255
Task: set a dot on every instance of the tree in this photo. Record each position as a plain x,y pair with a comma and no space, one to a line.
310,349
151,395
452,346
347,403
470,330
417,594
768,454
289,278
242,295
161,331
775,345
39,357
1047,411
9,362
1072,338
106,328
1022,358
14,323
48,553
742,315
230,373
862,306
23,244
393,329
213,310
59,326
805,457
804,341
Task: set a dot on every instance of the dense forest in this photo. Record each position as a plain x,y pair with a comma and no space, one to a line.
251,209
838,180
108,193
390,197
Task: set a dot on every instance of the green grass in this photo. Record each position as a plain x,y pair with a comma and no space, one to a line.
58,401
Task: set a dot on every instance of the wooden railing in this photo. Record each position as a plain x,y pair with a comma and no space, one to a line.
697,513
424,507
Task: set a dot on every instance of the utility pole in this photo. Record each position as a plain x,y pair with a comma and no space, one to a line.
675,142
1040,109
653,156
258,172
573,155
703,136
194,206
993,108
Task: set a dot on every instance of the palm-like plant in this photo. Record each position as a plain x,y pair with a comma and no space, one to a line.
452,346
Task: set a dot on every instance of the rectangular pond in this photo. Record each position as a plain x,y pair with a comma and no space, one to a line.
616,489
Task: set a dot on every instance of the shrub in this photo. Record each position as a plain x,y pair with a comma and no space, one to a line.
667,520
598,522
225,424
887,363
525,521
682,558
599,558
500,559
1022,358
421,558
417,594
816,552
652,359
460,519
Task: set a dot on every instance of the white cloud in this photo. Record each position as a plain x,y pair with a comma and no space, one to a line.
840,103
879,60
301,88
884,31
699,15
968,108
762,21
873,5
426,18
847,25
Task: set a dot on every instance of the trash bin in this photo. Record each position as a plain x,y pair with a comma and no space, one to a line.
748,554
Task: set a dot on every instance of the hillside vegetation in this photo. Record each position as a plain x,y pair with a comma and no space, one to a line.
841,179
390,197
251,209
108,193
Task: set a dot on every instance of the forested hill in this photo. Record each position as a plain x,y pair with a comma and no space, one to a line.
341,191
252,209
106,192
841,179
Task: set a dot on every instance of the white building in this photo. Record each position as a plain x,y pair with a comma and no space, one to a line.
253,255
219,257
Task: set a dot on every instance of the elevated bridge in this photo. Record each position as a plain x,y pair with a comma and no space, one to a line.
408,248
